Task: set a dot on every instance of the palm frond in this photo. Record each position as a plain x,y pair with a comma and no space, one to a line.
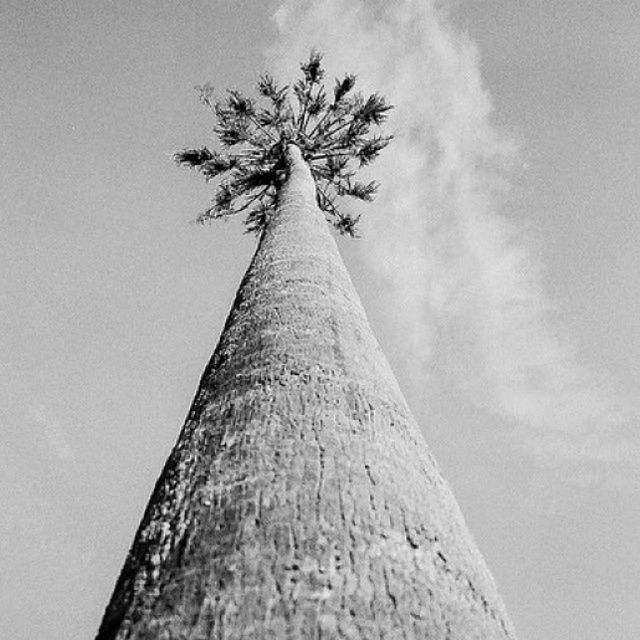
331,132
313,72
193,157
342,88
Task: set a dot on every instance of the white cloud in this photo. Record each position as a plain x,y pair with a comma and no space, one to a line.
452,263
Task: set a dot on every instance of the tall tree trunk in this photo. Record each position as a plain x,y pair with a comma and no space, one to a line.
300,500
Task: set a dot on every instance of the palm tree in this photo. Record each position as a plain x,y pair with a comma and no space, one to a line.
300,500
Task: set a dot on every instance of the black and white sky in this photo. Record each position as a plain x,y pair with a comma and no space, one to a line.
499,267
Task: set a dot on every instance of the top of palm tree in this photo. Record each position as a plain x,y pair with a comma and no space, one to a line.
332,131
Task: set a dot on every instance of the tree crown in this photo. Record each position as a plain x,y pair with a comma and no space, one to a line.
332,130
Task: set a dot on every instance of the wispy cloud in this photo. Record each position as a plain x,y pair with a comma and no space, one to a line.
53,433
451,261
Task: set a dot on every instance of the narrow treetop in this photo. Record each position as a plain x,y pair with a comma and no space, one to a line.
331,129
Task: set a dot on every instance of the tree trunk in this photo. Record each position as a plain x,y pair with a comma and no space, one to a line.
300,500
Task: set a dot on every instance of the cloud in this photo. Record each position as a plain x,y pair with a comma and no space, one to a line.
454,265
54,434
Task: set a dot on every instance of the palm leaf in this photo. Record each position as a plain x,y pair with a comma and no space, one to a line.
331,133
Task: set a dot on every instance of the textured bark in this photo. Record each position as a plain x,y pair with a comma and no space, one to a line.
300,500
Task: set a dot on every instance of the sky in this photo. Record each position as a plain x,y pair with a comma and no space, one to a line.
498,267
